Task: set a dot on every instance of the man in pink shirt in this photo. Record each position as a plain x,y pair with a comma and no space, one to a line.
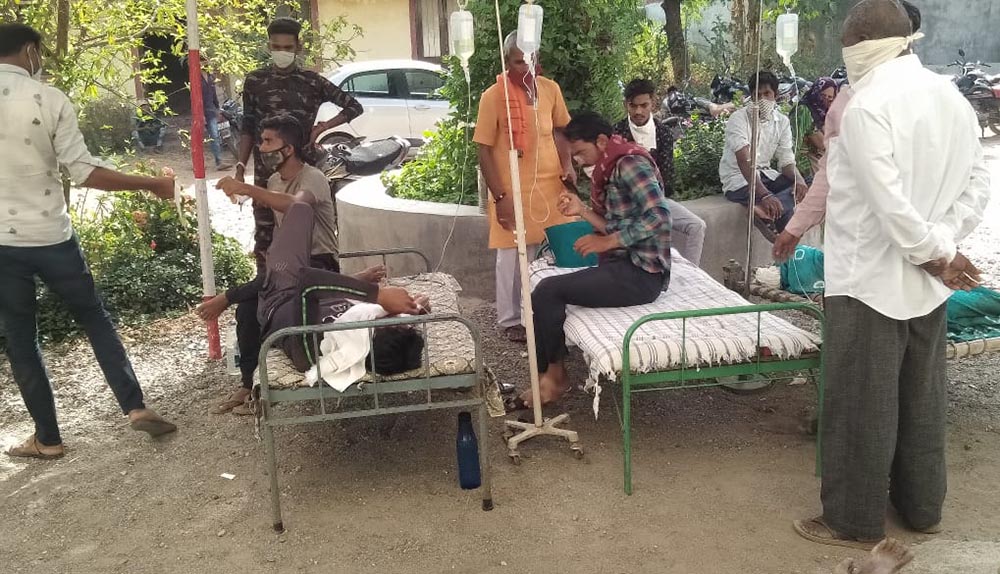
812,210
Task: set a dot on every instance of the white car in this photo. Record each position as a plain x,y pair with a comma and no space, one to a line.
400,98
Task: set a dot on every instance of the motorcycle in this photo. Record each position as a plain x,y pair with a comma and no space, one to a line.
681,110
982,91
230,125
343,163
839,76
791,89
725,89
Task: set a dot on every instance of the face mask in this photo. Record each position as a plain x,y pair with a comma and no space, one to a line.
272,160
36,73
863,57
283,59
763,110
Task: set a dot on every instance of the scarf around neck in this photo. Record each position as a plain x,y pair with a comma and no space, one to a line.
617,148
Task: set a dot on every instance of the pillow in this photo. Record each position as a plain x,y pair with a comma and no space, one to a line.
561,239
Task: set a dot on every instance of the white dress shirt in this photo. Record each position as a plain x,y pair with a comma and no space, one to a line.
38,133
907,182
775,143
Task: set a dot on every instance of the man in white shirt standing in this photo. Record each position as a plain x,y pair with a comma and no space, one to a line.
38,127
774,202
908,182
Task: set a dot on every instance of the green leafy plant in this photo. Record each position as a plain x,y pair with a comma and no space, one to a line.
427,179
649,58
696,160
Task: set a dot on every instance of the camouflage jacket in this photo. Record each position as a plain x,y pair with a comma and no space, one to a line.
268,92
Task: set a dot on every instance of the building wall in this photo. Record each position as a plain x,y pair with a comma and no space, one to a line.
386,25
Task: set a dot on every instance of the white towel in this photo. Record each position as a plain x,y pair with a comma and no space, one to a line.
343,353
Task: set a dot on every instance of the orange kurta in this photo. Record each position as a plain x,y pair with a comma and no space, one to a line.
540,187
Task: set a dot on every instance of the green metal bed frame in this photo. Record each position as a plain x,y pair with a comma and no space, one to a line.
685,377
376,390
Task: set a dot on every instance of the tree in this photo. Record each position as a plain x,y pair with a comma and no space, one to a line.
675,12
96,40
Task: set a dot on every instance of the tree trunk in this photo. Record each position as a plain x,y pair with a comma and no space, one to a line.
62,28
674,29
745,26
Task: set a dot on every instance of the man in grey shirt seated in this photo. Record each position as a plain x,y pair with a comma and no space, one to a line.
281,149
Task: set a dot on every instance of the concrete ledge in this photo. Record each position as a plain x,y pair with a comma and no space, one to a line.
370,219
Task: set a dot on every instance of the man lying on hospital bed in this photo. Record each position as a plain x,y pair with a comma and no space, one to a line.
631,220
294,291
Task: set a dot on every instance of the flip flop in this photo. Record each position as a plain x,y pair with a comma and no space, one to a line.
31,448
816,530
226,406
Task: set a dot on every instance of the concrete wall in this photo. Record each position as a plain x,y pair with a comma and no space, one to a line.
369,219
386,26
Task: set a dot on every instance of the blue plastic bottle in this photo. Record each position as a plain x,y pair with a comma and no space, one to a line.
467,450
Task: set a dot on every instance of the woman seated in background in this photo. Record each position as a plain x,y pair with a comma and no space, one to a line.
817,101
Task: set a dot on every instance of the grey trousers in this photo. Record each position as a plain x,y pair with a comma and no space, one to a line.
508,280
687,233
884,418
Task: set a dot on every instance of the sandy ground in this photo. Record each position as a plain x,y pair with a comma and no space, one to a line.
718,479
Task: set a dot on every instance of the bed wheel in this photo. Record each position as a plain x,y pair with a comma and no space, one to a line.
515,459
577,452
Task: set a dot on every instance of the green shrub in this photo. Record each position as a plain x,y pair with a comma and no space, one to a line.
145,264
696,160
107,124
428,179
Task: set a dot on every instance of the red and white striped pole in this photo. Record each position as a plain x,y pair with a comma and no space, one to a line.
198,163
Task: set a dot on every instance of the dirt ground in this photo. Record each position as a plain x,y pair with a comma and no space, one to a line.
718,480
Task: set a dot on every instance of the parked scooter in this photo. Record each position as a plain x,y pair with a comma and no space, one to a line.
343,163
231,124
680,110
725,89
982,91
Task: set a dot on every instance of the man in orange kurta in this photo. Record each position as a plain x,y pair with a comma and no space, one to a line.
537,113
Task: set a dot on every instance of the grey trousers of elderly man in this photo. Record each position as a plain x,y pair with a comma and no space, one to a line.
884,418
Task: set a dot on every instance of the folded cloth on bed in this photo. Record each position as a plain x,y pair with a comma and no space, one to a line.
656,346
343,353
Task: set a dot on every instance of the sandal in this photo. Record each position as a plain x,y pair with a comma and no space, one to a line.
516,334
31,448
228,405
816,530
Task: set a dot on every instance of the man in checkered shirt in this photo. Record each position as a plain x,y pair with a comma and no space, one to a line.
631,220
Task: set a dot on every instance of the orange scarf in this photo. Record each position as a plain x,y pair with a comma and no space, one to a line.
517,97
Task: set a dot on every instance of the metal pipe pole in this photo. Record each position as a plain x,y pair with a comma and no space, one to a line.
198,163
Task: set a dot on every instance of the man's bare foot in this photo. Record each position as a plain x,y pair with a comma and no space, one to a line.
552,385
372,274
211,309
234,400
888,557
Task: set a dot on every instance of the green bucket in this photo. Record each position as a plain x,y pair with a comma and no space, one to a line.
561,239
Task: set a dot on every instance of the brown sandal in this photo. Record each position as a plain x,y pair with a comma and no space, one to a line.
816,530
31,448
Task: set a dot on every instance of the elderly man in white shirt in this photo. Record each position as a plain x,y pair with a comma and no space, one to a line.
39,131
908,182
774,201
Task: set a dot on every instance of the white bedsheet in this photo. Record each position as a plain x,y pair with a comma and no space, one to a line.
656,346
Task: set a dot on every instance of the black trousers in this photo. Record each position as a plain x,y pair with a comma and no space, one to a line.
616,283
249,335
62,268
